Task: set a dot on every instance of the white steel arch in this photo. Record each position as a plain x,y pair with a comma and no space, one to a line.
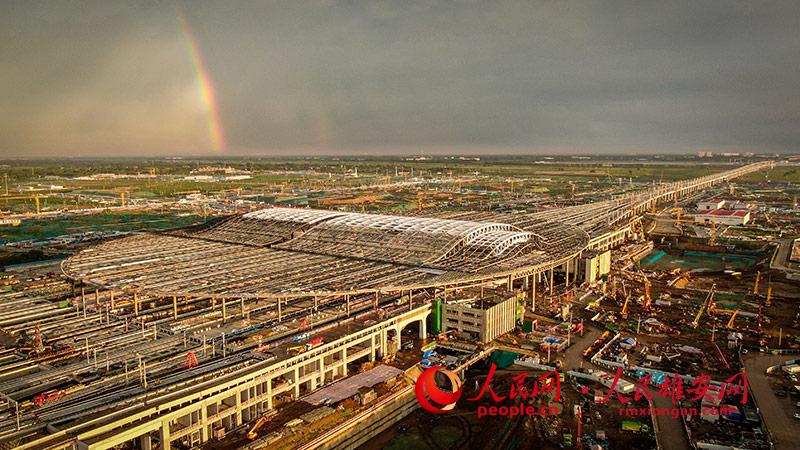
298,215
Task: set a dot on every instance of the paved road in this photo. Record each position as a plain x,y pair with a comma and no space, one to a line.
783,428
671,434
573,357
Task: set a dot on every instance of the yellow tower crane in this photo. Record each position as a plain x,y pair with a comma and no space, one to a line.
36,197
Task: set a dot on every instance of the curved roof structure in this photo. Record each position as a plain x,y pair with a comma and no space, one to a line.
293,252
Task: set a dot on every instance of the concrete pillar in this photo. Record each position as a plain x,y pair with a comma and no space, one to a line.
224,311
344,361
244,315
269,393
533,294
238,407
280,316
203,424
136,303
96,296
175,307
146,442
551,281
296,385
164,434
566,273
112,299
423,329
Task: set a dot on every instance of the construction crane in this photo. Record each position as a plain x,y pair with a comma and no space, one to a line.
755,288
36,197
733,316
706,303
625,306
647,284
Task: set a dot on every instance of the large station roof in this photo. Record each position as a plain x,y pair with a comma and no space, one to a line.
292,252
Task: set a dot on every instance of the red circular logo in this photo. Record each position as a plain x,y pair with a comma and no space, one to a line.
426,388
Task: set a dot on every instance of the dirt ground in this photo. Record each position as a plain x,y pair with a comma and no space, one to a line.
461,428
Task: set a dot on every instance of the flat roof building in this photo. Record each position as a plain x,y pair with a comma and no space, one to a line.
713,203
723,217
482,319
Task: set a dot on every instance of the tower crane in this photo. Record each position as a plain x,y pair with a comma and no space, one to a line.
36,197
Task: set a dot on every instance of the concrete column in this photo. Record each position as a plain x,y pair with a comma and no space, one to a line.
322,370
136,303
164,434
344,362
146,442
269,393
423,329
347,303
296,385
96,296
203,424
533,294
224,311
551,281
175,307
112,299
238,407
280,316
372,348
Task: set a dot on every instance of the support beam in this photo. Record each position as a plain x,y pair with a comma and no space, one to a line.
224,311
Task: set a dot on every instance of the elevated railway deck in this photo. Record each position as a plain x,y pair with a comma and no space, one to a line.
224,290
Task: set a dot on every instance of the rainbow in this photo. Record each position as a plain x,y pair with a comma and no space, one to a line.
205,85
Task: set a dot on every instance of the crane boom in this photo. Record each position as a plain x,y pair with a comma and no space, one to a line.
707,302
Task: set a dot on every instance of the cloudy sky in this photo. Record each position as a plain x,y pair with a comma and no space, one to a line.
304,77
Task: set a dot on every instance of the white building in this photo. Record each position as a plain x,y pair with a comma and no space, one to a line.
707,205
723,217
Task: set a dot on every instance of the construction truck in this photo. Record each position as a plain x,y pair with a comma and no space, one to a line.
294,351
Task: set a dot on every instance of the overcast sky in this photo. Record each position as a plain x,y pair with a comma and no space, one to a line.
116,78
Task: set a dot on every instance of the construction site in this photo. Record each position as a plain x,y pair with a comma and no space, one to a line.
307,328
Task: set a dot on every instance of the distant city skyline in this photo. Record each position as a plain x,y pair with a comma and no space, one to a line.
327,77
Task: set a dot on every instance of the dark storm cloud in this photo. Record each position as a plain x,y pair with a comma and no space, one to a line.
352,76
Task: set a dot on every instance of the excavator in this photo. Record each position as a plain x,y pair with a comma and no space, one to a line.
253,433
706,303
